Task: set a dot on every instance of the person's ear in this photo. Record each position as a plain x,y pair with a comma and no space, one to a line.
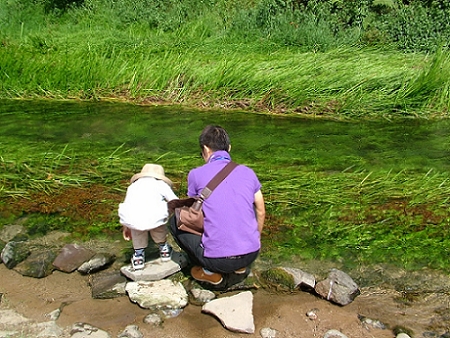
229,148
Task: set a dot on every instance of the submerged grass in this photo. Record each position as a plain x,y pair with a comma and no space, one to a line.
320,204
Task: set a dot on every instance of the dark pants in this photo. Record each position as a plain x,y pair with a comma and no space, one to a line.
192,245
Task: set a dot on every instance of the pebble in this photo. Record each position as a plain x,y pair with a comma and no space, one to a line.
334,334
153,319
267,332
312,314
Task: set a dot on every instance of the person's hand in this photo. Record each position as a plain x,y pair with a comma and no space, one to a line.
126,232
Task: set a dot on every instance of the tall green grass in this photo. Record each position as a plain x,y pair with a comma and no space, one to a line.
263,56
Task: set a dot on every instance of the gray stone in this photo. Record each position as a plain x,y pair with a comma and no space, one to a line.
14,252
153,319
235,312
2,245
8,232
368,322
156,269
71,257
302,279
99,262
37,265
267,332
83,330
201,296
334,334
108,284
163,294
131,331
338,288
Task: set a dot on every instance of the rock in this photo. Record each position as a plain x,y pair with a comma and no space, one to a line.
54,315
2,245
7,233
37,265
171,313
334,334
156,270
14,252
153,319
71,257
82,330
234,312
163,294
131,331
279,279
48,329
371,322
312,314
267,332
201,296
11,318
338,288
402,335
302,280
99,262
108,285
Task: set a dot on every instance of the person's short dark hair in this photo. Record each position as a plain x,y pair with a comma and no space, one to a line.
215,138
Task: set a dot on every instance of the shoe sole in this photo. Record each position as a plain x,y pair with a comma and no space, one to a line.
208,281
166,259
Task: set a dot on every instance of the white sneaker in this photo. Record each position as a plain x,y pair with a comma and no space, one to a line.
138,262
165,252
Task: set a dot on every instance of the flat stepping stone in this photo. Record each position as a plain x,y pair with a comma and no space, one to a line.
235,312
156,269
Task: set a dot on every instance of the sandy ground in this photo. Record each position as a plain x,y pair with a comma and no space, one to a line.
34,298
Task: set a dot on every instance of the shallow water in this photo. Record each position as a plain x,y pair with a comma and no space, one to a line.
288,141
269,144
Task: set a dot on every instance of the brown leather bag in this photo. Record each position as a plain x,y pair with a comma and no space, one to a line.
188,212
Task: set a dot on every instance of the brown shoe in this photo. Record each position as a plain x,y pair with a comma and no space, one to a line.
199,274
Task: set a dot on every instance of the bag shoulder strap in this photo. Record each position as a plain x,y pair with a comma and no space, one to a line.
220,176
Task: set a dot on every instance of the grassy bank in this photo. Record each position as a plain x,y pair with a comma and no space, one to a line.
226,55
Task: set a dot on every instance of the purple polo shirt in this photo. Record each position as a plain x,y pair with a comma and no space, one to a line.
231,227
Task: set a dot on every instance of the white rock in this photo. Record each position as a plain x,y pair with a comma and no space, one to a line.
402,335
234,312
334,334
267,332
10,317
163,294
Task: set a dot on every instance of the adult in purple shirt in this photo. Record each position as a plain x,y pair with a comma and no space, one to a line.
234,216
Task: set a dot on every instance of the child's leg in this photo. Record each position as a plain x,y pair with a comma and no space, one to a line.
159,236
140,242
140,239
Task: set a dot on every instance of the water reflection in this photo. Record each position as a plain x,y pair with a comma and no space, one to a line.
273,140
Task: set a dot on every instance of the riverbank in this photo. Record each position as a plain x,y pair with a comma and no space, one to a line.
265,57
286,313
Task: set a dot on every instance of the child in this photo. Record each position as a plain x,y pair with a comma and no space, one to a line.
144,210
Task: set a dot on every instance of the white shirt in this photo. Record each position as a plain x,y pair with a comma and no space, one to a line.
145,204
